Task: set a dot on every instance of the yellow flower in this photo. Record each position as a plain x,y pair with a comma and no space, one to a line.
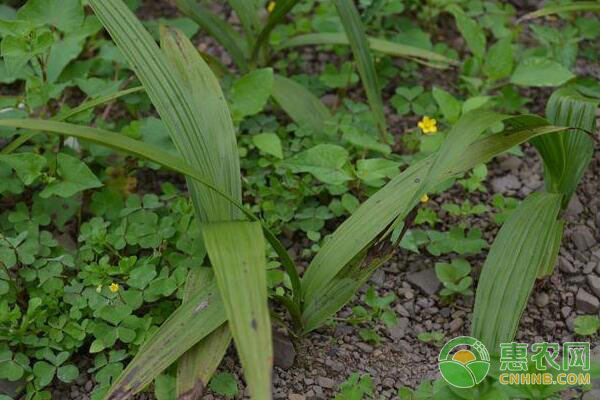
114,287
99,289
424,198
271,6
428,125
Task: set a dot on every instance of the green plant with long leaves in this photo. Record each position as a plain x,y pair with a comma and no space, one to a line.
229,301
253,51
527,245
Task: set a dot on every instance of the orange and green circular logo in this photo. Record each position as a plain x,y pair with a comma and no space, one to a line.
464,362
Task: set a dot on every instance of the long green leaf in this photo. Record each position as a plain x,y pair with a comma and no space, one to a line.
355,33
510,270
557,9
218,29
547,267
282,7
79,109
237,253
189,324
379,45
207,144
368,225
300,104
198,364
566,156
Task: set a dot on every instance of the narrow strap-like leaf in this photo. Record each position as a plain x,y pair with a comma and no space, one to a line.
300,104
237,253
189,324
367,225
198,364
366,66
174,96
18,142
282,7
218,29
510,270
557,9
567,155
379,45
247,12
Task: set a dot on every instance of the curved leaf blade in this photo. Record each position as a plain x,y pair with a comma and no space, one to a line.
512,265
567,155
379,45
368,227
209,148
218,29
300,104
198,364
18,142
282,7
357,38
191,322
557,9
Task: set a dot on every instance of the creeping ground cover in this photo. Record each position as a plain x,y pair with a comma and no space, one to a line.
320,199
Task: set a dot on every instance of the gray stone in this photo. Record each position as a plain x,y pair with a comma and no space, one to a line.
511,163
566,266
401,310
586,302
326,383
456,324
364,347
594,282
592,395
284,352
396,332
294,396
542,299
583,237
589,267
505,183
425,280
575,207
329,100
378,278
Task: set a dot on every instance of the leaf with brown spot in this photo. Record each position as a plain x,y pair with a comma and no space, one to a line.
237,252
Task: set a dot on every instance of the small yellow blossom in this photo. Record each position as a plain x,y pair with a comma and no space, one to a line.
271,6
424,198
99,289
428,125
114,287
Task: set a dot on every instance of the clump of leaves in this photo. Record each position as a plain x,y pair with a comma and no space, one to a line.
505,206
436,338
356,387
587,325
224,384
455,276
378,309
